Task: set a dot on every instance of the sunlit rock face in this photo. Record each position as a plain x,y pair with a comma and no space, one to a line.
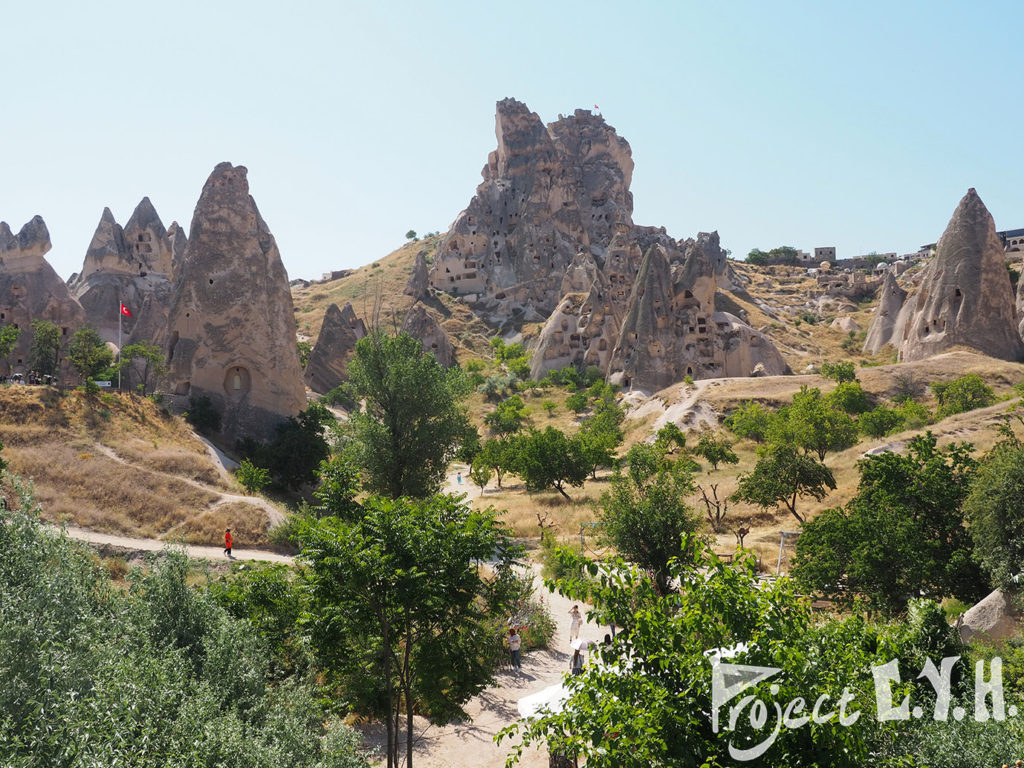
232,327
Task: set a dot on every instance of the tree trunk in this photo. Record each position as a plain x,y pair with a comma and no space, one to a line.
559,488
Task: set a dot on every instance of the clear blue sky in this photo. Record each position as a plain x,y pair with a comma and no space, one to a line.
858,125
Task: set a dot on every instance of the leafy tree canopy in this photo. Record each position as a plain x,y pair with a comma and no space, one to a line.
903,534
88,353
411,424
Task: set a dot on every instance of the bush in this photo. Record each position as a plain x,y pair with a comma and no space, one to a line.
848,396
161,675
203,415
963,394
839,372
254,479
880,422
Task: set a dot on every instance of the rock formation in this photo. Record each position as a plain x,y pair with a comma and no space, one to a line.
549,236
889,319
232,327
547,192
419,282
31,290
421,325
133,265
995,619
965,296
328,362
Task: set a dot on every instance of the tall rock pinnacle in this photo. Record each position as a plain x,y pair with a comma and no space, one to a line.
232,328
965,297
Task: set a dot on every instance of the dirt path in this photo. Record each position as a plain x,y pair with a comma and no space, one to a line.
133,544
471,744
274,515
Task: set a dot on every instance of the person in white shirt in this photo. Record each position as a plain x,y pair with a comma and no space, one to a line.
515,644
576,624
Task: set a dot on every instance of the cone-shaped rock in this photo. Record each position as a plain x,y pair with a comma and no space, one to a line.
421,325
328,362
885,327
641,354
232,328
419,284
129,265
31,290
965,296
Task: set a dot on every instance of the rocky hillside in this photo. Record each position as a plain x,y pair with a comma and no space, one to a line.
121,465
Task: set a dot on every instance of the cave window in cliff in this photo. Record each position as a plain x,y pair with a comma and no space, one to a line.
64,331
211,281
689,370
183,388
237,382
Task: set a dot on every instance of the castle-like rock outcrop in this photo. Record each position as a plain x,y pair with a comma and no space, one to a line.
232,328
965,297
30,290
547,192
133,265
327,366
549,236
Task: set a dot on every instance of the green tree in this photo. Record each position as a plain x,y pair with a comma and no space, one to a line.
816,426
550,406
44,352
254,479
88,353
651,704
499,456
549,459
644,515
839,372
750,420
8,339
480,473
398,607
338,487
305,350
507,417
715,449
142,362
962,394
597,440
203,415
849,397
880,421
670,438
411,424
901,537
577,402
995,511
781,476
411,235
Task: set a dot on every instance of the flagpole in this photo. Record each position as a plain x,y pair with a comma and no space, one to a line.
119,313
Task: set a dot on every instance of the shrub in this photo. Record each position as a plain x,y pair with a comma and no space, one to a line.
203,415
880,422
254,479
963,394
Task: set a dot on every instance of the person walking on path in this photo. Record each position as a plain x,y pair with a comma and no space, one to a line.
228,541
515,645
576,664
576,624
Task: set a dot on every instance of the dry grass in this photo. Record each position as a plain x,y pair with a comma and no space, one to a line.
172,460
248,524
149,489
94,491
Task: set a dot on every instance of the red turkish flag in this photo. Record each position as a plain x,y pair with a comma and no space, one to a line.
125,311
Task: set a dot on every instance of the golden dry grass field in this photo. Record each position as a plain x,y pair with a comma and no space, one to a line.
117,464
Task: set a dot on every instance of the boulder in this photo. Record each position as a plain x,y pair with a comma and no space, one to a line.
30,290
232,324
421,325
845,324
995,618
328,362
965,297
